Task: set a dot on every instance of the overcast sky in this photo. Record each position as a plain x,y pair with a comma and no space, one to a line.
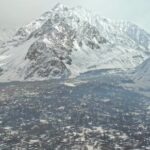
15,13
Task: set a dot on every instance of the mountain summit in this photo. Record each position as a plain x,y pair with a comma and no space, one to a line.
67,41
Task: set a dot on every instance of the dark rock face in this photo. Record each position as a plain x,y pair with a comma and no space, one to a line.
48,58
50,54
44,62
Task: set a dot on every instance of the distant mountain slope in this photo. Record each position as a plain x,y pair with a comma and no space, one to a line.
142,72
68,41
6,34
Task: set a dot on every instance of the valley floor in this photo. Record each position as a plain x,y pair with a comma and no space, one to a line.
93,113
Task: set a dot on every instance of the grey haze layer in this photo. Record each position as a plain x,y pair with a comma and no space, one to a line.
19,12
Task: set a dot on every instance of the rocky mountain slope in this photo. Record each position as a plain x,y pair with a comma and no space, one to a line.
142,72
65,42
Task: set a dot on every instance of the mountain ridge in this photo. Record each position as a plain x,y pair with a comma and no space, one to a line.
68,41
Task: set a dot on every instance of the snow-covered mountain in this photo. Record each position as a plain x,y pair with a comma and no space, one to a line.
6,34
68,41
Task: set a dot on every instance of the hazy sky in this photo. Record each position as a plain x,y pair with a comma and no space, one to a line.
18,12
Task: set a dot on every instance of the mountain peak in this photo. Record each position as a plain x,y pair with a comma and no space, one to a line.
69,41
59,6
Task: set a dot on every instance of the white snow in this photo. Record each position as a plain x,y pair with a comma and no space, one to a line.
42,121
69,84
13,60
6,33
